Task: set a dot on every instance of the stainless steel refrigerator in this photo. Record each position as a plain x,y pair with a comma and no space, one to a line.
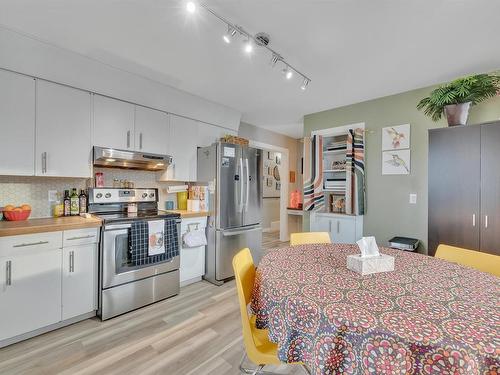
234,178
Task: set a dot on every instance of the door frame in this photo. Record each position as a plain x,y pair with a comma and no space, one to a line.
284,232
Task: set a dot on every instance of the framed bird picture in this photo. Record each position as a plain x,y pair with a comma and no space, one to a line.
396,162
396,137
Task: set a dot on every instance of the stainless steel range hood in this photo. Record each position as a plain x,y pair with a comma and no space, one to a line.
112,158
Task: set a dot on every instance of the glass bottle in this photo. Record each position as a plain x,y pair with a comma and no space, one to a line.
67,204
75,203
83,201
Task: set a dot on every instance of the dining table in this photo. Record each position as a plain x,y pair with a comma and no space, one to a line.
428,316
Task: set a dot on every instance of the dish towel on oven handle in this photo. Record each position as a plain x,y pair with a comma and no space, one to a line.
156,234
139,243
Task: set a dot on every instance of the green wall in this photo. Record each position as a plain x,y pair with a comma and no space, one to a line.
388,210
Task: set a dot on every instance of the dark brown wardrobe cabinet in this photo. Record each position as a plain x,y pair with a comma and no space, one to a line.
464,187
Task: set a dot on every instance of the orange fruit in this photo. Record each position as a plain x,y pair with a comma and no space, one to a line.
26,207
9,207
17,209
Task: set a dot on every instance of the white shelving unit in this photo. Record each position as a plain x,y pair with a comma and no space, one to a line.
342,228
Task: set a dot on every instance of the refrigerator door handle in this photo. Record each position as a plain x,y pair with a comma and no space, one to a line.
247,185
238,231
240,204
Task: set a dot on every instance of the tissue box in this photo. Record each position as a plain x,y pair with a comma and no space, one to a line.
369,265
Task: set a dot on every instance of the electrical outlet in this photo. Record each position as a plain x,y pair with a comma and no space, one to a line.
52,195
413,198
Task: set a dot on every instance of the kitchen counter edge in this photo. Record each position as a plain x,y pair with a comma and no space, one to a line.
41,225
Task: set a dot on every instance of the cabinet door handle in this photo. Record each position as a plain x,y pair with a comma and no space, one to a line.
329,225
473,220
71,261
31,244
44,162
338,226
485,221
128,139
140,141
8,273
80,238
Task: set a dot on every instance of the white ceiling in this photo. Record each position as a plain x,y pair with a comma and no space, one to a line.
353,50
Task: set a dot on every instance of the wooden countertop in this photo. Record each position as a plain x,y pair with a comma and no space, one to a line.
13,228
185,214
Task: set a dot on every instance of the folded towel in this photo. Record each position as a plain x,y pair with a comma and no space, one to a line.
156,231
139,243
195,238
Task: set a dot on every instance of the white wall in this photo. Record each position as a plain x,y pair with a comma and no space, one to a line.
24,54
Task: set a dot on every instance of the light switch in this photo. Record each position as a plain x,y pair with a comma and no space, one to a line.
413,198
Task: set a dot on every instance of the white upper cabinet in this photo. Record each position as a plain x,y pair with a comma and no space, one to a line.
151,130
208,134
63,131
113,123
17,124
183,148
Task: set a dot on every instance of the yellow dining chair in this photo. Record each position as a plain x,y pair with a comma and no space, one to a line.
258,348
481,261
309,238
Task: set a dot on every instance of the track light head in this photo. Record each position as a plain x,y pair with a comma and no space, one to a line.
288,72
191,6
248,48
305,82
231,32
274,60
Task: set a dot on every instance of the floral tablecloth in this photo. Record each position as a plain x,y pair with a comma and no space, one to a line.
427,317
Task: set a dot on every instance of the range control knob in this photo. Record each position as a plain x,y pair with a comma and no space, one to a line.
108,195
98,195
144,195
151,195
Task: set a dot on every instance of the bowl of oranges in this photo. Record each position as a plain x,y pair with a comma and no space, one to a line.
13,213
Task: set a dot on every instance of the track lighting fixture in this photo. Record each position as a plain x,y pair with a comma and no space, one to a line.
191,6
260,40
305,82
231,32
248,46
274,60
288,72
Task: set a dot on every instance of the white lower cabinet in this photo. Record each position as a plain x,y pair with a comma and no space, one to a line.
30,294
192,266
43,282
342,228
78,280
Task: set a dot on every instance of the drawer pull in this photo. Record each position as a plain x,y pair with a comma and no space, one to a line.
32,244
81,237
8,269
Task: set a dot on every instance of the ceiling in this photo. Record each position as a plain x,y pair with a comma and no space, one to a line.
353,50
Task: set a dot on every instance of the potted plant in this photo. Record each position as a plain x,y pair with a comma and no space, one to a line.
455,98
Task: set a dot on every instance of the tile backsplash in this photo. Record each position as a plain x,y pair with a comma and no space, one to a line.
34,191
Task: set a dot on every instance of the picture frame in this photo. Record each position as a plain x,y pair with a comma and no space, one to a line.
397,162
396,137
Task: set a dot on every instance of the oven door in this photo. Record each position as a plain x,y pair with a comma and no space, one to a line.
116,268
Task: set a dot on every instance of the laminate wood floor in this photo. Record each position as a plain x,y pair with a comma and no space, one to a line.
196,332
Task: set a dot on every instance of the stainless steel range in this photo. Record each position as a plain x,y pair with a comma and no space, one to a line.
124,286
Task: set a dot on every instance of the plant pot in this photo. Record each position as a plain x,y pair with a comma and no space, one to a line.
457,114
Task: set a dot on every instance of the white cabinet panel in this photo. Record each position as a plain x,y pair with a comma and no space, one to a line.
208,134
192,266
183,148
30,291
113,123
151,130
17,124
79,280
63,128
342,228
